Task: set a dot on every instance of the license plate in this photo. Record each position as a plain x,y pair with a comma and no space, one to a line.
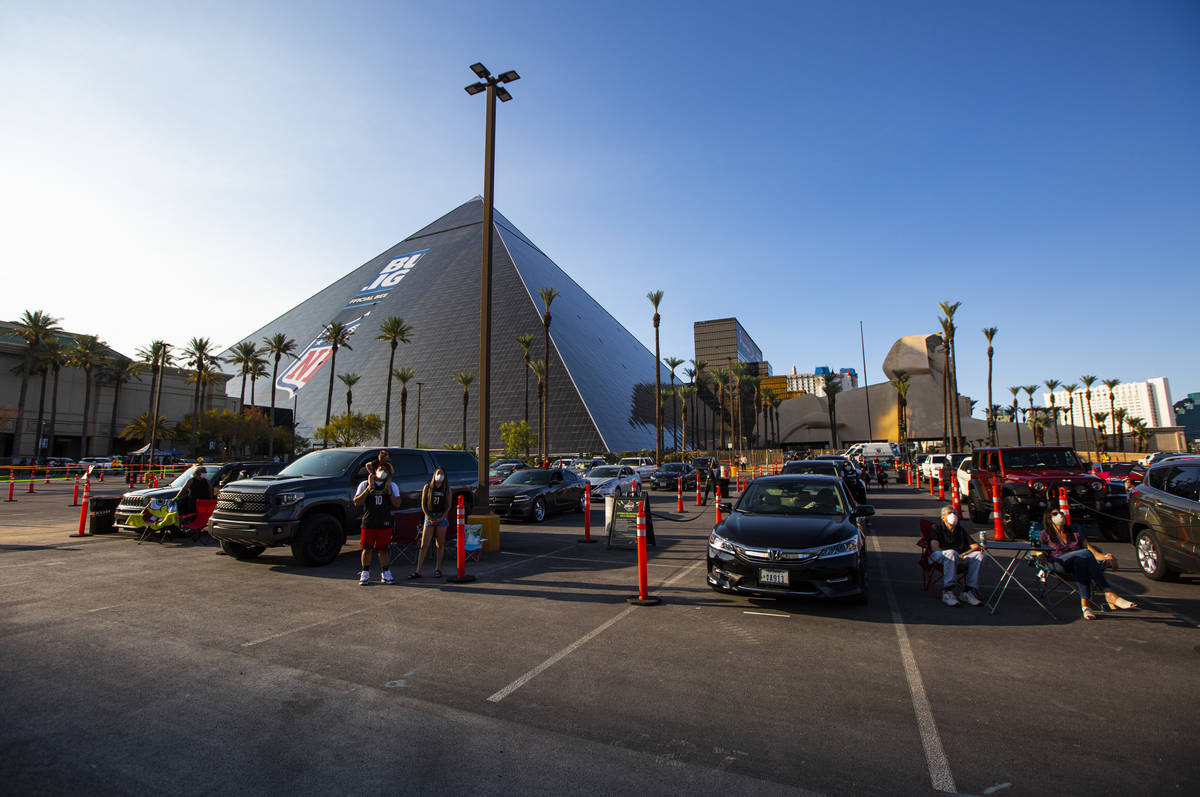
773,578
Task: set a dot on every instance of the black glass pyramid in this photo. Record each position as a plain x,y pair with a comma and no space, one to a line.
601,388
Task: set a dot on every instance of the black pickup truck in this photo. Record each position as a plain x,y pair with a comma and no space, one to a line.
310,503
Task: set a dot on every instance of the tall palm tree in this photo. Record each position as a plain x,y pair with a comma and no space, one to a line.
1110,384
197,354
1119,415
655,298
754,389
156,356
394,331
120,370
1051,386
672,363
1071,388
525,341
277,347
737,376
403,376
990,333
902,382
947,411
1100,418
465,378
1015,392
349,380
242,355
832,387
86,355
539,370
337,335
258,369
699,367
775,402
547,295
34,328
1087,380
950,308
685,392
721,378
54,355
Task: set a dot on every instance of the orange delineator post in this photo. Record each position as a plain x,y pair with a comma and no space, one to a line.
587,512
643,597
75,497
679,502
931,483
31,478
10,484
941,484
460,553
997,521
955,500
83,510
1063,505
698,502
917,476
718,503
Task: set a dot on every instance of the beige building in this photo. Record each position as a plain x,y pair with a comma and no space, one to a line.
134,400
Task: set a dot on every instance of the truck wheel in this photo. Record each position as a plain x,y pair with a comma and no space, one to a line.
978,515
319,540
1016,520
239,551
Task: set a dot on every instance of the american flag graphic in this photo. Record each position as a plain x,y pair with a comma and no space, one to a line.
312,358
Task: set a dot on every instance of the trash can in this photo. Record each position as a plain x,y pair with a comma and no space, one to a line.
102,511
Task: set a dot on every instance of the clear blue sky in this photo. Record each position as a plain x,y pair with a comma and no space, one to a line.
799,165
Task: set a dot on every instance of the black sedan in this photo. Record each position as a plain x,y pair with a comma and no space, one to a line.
667,477
792,535
535,493
831,467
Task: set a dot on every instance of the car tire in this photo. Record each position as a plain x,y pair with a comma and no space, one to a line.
538,513
241,551
319,540
579,508
977,515
1016,520
1150,558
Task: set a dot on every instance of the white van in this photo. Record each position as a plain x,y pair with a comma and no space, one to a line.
869,451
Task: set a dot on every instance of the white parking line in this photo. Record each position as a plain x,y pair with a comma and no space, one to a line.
935,753
768,614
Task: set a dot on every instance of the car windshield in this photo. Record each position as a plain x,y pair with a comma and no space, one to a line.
321,463
673,467
818,468
1040,458
531,476
605,472
791,498
183,478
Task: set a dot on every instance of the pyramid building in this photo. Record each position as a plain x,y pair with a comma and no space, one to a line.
601,388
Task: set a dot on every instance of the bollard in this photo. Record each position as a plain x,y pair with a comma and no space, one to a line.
679,501
941,484
643,597
460,553
931,482
83,510
75,497
47,474
633,488
956,500
10,485
587,513
698,501
1064,506
718,503
31,478
917,472
997,521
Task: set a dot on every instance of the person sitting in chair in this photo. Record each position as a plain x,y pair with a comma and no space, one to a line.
1071,554
949,545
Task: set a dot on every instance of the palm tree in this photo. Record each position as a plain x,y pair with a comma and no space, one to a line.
547,295
54,355
655,298
87,353
754,388
685,392
1088,380
1051,386
902,382
698,368
1071,388
947,411
525,341
277,347
950,308
242,355
1015,392
337,335
1119,415
158,350
1029,391
465,378
1110,384
832,387
539,370
394,331
775,402
197,354
672,363
258,369
989,333
1101,417
34,328
349,380
403,376
737,374
120,370
720,377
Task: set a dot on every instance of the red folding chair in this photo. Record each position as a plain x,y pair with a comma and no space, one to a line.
406,537
195,523
930,567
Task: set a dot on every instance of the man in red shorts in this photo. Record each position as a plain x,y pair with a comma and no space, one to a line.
376,497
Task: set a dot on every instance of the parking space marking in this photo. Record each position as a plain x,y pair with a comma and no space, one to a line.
583,640
768,614
931,740
340,616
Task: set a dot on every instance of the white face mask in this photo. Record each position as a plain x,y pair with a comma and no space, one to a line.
438,478
1057,519
951,519
380,475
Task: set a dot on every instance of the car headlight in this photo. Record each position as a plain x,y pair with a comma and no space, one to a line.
719,543
521,498
1038,487
287,499
841,549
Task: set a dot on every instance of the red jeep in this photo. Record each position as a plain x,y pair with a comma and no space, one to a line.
1028,478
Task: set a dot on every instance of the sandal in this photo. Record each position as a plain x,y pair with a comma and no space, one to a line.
437,573
1121,603
414,574
1088,614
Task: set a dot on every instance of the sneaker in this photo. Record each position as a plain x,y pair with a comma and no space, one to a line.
386,577
948,598
970,597
364,578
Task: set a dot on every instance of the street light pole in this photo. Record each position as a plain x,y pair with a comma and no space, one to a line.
492,86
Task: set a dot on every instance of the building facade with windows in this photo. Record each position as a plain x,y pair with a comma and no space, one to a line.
724,340
814,383
1149,400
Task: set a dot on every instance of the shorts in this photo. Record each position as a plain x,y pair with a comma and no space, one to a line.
375,538
443,523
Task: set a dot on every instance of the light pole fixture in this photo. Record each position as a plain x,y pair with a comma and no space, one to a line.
419,385
493,86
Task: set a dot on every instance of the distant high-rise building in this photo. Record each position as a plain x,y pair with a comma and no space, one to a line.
1187,415
1149,400
814,383
724,340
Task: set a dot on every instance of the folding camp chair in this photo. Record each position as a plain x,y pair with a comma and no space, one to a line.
194,524
1055,580
406,537
474,543
929,566
161,518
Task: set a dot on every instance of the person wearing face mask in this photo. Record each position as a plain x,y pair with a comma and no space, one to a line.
435,503
950,546
1071,554
377,496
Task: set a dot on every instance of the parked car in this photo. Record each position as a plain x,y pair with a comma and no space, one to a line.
851,476
217,474
501,471
791,535
535,493
934,463
644,467
1164,518
309,505
582,466
667,477
851,482
611,480
962,478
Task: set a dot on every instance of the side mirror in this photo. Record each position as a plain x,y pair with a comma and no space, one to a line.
863,510
726,507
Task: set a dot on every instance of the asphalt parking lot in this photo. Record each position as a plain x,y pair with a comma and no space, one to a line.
169,668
